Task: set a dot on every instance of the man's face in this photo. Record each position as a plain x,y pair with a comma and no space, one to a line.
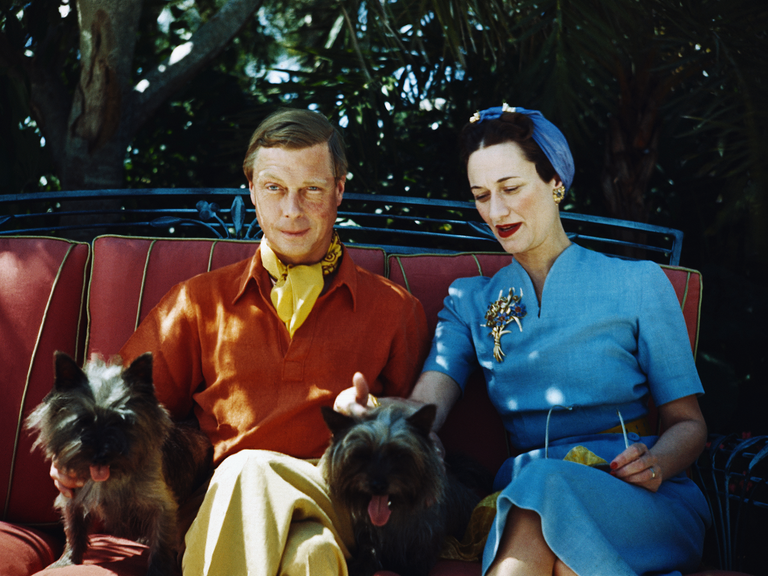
296,197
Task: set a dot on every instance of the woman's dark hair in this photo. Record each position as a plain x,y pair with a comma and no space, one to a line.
509,127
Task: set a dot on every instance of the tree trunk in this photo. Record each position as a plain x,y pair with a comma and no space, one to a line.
632,148
96,135
107,109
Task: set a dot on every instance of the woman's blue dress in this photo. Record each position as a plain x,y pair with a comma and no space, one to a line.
608,333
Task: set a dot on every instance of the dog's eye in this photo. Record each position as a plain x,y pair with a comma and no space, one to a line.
84,420
361,454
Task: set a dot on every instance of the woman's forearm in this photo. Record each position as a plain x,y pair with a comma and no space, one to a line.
439,389
682,440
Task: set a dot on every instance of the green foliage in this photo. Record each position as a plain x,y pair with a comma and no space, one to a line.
29,29
682,79
20,151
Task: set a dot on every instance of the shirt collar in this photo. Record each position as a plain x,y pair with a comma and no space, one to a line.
346,276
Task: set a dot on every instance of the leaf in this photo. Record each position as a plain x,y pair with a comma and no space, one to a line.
207,210
165,221
237,214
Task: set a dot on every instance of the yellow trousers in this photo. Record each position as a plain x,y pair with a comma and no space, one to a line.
267,514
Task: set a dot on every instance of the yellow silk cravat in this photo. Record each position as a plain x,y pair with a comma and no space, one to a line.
297,287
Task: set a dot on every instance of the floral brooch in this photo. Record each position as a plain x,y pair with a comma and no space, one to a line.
506,309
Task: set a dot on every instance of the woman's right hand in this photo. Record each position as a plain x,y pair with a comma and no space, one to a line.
65,482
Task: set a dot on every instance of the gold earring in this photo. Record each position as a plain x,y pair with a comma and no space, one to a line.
558,194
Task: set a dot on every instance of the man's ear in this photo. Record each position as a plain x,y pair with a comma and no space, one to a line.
340,184
251,188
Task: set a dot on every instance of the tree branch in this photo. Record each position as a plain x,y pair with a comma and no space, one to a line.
48,99
188,59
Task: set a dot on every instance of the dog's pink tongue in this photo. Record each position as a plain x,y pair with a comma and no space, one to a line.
378,510
99,473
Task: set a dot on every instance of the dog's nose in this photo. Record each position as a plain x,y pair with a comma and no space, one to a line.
379,485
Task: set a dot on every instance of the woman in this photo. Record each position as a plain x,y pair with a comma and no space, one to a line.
571,343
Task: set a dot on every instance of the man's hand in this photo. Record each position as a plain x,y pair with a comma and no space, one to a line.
357,400
65,482
354,401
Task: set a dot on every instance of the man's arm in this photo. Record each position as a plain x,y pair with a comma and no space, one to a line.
170,332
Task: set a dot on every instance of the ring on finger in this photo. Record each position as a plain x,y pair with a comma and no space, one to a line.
653,473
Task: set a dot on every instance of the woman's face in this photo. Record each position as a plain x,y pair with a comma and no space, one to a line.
513,199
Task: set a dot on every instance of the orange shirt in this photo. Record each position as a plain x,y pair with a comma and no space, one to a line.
219,348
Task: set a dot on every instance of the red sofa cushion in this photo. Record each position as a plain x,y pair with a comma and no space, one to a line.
42,292
130,275
688,287
473,427
25,551
428,276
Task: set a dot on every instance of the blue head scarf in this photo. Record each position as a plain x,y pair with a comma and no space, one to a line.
545,134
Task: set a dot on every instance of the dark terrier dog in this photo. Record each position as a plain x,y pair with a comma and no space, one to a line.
387,471
106,426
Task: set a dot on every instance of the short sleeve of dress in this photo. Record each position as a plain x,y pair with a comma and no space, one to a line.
664,351
453,352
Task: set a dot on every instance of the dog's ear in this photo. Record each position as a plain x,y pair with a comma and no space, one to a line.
423,418
336,421
67,374
139,374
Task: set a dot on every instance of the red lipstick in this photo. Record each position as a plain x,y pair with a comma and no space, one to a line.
506,230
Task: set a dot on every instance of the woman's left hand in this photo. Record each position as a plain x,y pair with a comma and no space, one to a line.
682,440
638,465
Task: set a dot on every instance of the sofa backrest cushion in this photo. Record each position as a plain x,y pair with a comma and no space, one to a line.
688,287
428,276
130,275
42,295
43,285
473,427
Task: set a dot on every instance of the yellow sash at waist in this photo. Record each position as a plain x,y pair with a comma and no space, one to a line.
641,426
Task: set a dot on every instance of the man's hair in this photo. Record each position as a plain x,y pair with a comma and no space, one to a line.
295,129
509,127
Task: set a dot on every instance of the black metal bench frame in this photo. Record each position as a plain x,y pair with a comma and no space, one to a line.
396,223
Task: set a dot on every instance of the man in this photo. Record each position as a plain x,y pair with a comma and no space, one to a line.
254,349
